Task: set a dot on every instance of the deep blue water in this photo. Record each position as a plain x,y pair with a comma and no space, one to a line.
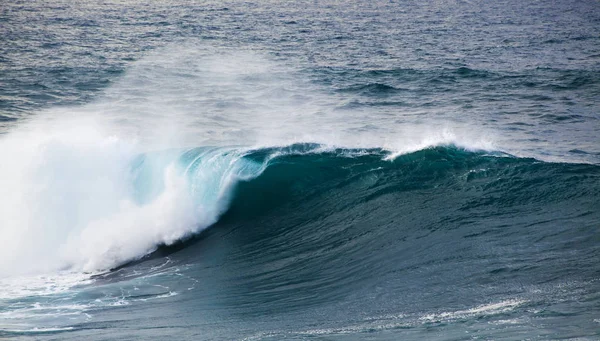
360,170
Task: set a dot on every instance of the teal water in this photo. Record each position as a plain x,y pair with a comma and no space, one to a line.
322,170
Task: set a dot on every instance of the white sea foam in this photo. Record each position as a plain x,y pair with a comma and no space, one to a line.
14,287
69,199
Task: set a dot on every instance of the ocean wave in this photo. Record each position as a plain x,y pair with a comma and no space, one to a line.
107,211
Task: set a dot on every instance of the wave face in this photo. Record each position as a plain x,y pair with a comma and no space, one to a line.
326,227
350,243
440,239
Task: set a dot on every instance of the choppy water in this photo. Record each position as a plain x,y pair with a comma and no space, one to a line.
320,170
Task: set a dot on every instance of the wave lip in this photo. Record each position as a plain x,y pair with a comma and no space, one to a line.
176,194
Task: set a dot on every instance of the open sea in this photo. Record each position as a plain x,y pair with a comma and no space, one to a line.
300,170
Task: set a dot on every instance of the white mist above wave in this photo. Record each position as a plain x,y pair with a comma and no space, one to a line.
70,199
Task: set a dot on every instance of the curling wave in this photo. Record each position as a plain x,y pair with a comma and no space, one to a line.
108,212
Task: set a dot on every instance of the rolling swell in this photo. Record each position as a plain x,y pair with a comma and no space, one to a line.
442,227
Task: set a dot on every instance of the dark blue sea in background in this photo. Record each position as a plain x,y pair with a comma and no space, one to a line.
320,170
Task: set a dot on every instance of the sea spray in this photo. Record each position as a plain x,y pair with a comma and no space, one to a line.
77,198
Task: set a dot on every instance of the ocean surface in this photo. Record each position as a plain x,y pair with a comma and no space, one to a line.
319,170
